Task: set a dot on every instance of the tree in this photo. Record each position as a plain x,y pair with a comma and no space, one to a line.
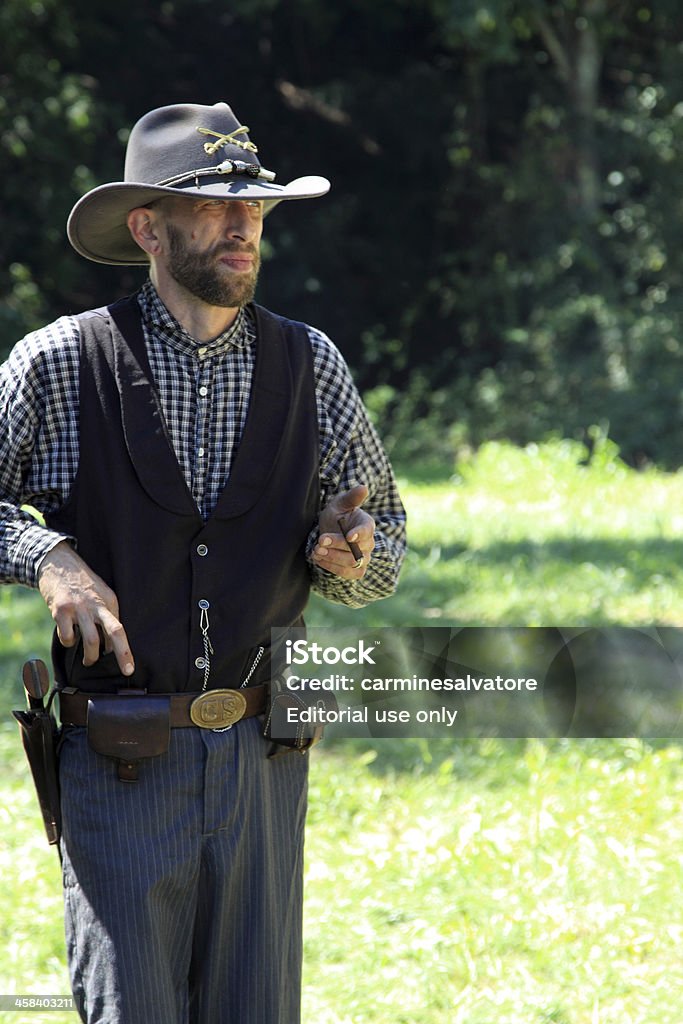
499,252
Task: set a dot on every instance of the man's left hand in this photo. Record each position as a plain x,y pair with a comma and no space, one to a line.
332,551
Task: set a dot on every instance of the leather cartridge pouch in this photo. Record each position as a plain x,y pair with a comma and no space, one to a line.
129,727
296,718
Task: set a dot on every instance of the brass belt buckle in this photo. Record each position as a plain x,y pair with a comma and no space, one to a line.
218,709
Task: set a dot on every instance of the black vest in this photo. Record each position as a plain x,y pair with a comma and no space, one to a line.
139,528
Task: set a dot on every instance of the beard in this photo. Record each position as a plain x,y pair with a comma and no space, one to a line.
200,273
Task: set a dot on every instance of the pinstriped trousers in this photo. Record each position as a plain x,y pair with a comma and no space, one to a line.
183,890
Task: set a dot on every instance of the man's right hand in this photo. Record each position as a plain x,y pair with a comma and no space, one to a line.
81,602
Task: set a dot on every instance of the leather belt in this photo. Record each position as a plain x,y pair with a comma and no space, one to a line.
213,709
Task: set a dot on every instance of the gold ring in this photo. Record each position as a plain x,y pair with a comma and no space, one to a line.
358,562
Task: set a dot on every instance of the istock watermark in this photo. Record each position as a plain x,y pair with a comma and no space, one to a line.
483,681
300,652
36,1003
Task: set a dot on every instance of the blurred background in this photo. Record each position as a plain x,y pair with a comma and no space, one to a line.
499,256
499,261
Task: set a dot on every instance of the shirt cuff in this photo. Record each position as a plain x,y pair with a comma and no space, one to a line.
32,543
379,581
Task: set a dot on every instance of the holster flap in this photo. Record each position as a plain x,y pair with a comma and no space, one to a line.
129,728
296,718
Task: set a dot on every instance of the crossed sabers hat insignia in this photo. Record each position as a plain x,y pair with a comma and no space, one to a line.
227,140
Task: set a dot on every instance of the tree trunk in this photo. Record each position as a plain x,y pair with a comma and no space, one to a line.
577,54
585,94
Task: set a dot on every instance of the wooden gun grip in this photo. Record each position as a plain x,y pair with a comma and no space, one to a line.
36,678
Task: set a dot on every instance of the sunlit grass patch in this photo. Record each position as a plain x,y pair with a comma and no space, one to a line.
546,536
535,889
477,882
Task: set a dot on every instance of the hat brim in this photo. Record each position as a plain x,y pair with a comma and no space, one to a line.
97,226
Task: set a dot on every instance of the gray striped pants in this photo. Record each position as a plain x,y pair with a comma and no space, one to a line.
183,890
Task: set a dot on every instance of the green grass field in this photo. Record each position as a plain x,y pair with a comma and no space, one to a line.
469,882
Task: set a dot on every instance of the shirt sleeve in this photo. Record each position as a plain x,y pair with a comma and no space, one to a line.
351,453
37,387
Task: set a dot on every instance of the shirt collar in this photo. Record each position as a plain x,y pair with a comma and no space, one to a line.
163,325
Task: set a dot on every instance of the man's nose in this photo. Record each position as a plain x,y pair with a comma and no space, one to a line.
240,221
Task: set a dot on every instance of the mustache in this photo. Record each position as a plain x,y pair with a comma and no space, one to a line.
228,248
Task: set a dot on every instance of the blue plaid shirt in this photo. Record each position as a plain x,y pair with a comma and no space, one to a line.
204,392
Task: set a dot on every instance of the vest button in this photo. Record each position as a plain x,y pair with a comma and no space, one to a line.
202,550
200,662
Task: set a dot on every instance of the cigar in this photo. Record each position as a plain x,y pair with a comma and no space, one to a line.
353,547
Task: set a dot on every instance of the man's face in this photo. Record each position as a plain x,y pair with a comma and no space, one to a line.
212,248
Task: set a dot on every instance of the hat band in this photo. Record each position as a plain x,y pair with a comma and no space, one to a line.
227,167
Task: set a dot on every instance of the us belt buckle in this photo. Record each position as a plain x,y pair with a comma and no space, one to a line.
218,709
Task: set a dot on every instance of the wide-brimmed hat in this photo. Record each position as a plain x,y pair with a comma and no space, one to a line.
185,149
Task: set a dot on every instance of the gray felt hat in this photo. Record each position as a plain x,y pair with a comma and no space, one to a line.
185,149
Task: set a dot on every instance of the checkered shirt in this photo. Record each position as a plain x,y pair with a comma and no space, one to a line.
204,392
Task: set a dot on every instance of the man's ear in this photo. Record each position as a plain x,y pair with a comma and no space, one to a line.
143,225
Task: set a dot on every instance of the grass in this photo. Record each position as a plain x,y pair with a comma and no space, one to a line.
539,536
486,882
500,882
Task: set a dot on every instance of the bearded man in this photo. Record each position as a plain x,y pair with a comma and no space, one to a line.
191,454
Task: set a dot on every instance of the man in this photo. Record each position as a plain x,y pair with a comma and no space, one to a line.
192,455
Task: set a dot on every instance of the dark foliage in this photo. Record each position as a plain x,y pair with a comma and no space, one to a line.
499,255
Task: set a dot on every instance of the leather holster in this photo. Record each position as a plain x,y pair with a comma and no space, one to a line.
282,726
